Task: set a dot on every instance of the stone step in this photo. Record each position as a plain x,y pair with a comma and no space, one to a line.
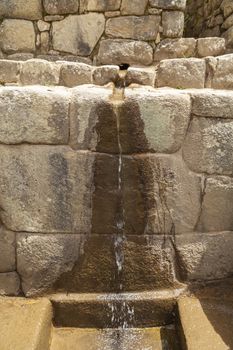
115,339
206,323
148,309
25,324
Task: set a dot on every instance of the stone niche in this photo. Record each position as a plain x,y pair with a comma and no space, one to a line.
99,31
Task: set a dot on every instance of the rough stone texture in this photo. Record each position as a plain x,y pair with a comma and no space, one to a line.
20,9
173,23
73,74
216,214
9,284
208,146
7,250
103,5
132,27
39,72
210,47
125,51
175,48
17,35
57,7
182,73
36,115
141,76
45,189
9,71
228,36
136,7
205,257
105,74
75,263
223,73
83,31
43,26
168,4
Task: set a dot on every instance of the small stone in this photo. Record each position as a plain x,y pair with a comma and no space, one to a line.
223,74
17,35
53,18
227,7
43,26
9,284
7,250
135,7
105,74
182,73
228,36
131,27
210,47
175,48
39,72
125,51
173,23
83,31
142,76
110,14
20,56
228,22
44,42
103,5
168,4
73,74
60,7
9,71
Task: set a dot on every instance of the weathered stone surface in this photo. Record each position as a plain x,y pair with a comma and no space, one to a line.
79,263
168,4
173,23
208,146
132,27
227,7
211,47
39,72
104,74
36,115
223,73
135,7
57,7
228,36
216,214
73,74
141,76
17,35
9,284
9,71
125,51
103,5
20,56
213,103
205,257
175,48
7,250
43,26
83,33
182,73
20,9
45,189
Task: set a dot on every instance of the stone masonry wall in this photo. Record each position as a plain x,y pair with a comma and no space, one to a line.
102,31
210,18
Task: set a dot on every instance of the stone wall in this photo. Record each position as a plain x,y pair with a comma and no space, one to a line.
210,18
62,205
102,31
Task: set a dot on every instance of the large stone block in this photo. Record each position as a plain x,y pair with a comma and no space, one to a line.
182,73
133,7
9,71
78,34
19,9
57,7
74,73
9,284
208,146
175,48
7,250
132,27
125,51
45,189
103,5
216,213
74,263
39,72
211,47
36,115
205,256
17,35
223,73
173,24
168,4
